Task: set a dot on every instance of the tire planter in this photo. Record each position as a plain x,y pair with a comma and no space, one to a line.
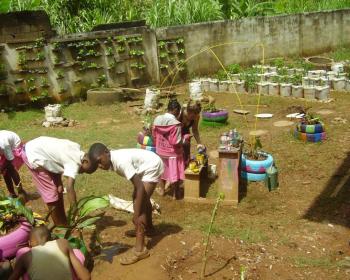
310,137
256,166
212,124
311,128
253,177
144,140
148,148
218,117
9,244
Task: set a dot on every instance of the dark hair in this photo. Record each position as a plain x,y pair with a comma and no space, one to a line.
194,107
173,105
40,233
95,151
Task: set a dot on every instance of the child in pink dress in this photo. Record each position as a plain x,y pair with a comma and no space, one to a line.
169,146
11,161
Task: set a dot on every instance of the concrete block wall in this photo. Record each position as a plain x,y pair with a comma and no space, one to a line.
237,41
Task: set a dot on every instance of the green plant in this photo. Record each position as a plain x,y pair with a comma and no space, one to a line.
44,82
181,51
120,49
60,74
161,44
164,66
80,218
101,80
109,51
221,75
250,8
250,77
12,211
283,71
20,90
120,39
278,62
39,43
22,59
220,198
234,68
40,56
136,52
255,148
179,41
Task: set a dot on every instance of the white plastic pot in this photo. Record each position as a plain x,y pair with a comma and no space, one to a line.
338,84
285,90
291,71
240,86
309,92
272,69
331,74
299,71
263,88
325,81
195,89
297,91
152,98
205,84
305,81
338,67
214,85
315,81
274,89
53,111
223,86
322,92
347,86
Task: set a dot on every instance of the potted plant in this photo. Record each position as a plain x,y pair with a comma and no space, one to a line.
274,89
80,218
297,88
16,221
285,87
212,116
255,161
310,128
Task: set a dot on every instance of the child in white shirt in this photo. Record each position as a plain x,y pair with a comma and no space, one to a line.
11,161
144,169
48,159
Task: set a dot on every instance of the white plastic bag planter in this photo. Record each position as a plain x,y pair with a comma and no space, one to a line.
322,92
152,98
53,111
338,67
263,88
274,89
309,92
223,86
234,77
291,71
315,81
331,74
347,85
325,81
272,69
285,90
297,91
338,84
214,85
299,71
239,85
305,81
195,89
205,85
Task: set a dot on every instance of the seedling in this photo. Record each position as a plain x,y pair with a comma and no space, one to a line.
39,43
120,49
234,68
136,53
40,56
109,51
22,58
19,90
101,80
120,39
161,44
182,51
60,74
163,55
164,66
179,41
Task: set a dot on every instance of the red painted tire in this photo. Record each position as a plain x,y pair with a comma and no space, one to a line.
10,243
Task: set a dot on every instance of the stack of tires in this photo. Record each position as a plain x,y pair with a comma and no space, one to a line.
218,118
145,142
255,170
310,132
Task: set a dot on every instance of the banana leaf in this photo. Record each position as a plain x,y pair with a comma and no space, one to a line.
93,204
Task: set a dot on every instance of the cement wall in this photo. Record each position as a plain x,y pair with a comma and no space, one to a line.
289,35
32,64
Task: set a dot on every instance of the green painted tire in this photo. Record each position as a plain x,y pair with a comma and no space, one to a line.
311,128
213,124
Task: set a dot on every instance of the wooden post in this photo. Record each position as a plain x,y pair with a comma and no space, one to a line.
229,174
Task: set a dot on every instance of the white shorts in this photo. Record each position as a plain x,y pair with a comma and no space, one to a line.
152,175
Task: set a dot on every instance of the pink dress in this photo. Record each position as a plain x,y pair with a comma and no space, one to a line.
169,148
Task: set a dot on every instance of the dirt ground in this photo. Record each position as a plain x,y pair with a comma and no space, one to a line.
300,231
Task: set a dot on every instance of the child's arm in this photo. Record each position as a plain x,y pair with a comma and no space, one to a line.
79,269
20,267
139,196
72,196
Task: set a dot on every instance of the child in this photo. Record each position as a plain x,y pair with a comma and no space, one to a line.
47,159
48,259
169,146
143,168
11,161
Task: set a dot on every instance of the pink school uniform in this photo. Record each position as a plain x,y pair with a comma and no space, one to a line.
10,149
168,142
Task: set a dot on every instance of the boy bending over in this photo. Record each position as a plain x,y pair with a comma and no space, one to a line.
48,259
48,159
144,169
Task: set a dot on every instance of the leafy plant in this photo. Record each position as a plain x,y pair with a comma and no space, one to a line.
179,41
44,82
210,108
250,8
22,59
20,90
109,51
255,148
278,62
80,218
39,43
164,66
136,52
234,68
250,77
12,211
221,75
40,56
283,71
181,51
163,54
120,49
101,80
161,44
60,74
120,39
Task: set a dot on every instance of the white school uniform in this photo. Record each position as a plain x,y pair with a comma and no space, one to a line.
128,162
9,141
59,156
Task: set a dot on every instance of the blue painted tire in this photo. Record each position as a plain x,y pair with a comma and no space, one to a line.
311,128
148,148
220,117
310,137
256,166
253,177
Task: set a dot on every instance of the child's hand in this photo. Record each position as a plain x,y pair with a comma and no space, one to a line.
60,189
